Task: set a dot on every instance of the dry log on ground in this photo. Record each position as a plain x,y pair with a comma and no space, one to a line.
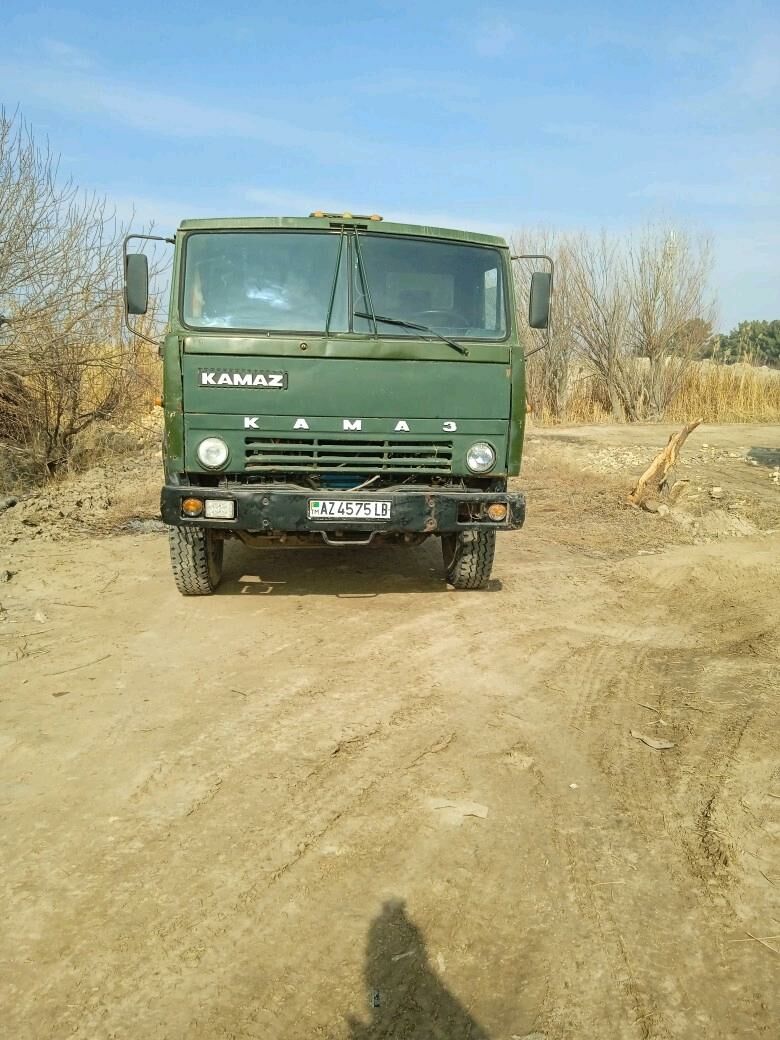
653,480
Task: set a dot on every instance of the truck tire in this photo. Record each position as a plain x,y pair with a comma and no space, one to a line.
196,559
468,558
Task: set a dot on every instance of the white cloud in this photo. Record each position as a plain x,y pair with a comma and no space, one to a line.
582,133
745,275
745,193
456,221
66,54
281,202
163,215
759,76
66,85
493,35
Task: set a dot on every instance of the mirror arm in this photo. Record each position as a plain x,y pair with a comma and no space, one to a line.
145,238
549,259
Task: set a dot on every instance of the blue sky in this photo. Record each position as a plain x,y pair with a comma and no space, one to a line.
494,117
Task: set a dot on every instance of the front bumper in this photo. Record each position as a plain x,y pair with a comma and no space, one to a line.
428,510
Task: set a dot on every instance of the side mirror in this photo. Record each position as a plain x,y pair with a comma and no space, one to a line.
137,283
539,300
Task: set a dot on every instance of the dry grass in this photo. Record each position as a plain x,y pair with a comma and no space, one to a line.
727,393
590,515
714,392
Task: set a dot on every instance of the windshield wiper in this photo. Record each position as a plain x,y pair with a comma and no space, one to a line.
413,325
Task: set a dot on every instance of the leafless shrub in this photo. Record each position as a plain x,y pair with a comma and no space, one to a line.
549,370
601,319
629,315
670,317
64,363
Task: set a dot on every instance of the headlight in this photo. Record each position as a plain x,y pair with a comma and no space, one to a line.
212,453
480,457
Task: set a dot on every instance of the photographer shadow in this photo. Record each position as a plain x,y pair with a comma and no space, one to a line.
406,998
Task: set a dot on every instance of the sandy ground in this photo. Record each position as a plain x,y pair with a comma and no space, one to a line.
340,800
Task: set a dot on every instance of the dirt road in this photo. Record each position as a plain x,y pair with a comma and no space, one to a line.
339,800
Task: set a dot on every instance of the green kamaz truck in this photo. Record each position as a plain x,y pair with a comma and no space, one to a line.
339,380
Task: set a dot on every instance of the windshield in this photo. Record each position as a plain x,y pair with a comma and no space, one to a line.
319,281
455,289
267,280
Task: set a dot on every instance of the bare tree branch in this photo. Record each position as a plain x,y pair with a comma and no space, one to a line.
64,362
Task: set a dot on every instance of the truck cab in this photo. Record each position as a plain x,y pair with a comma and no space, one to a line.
339,380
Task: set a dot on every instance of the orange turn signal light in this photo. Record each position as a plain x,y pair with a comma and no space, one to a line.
497,511
192,506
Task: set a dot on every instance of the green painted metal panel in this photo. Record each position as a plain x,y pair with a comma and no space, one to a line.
348,388
326,223
173,436
517,418
348,345
284,424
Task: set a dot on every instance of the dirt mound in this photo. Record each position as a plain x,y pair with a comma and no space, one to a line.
114,474
87,503
716,523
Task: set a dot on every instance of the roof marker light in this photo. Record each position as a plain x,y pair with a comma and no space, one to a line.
320,213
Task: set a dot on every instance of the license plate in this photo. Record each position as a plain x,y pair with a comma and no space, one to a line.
344,509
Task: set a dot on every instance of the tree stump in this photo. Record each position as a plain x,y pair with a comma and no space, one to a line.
653,481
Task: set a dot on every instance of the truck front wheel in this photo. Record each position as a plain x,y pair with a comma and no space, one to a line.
196,559
468,558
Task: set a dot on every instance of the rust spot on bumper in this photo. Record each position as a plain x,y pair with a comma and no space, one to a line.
430,523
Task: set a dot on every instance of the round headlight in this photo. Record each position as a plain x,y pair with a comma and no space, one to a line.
480,457
212,453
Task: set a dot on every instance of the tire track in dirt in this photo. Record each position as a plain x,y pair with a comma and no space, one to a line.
216,870
178,939
227,741
736,648
584,871
398,724
282,704
607,677
710,850
405,721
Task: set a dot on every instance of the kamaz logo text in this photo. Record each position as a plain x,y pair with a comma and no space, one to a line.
267,380
251,422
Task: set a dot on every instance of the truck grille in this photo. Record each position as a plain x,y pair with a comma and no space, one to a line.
348,455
